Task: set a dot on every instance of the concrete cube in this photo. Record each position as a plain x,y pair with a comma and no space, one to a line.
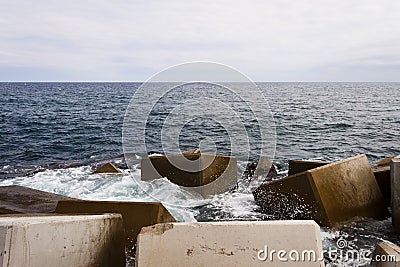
212,174
297,166
332,194
386,254
385,161
238,243
381,173
135,215
382,177
86,240
395,186
109,168
19,199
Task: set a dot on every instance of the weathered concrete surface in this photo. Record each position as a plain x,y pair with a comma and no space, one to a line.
385,161
19,199
213,174
37,241
192,151
332,194
395,184
135,215
108,168
381,173
382,176
239,243
298,166
386,254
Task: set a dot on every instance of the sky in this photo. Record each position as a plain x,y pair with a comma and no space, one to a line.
279,40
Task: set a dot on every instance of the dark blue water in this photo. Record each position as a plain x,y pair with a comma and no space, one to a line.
52,135
58,122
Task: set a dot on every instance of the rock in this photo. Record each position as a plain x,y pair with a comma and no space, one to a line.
395,185
385,161
332,194
234,243
19,199
107,168
297,166
205,174
261,169
386,254
135,215
85,240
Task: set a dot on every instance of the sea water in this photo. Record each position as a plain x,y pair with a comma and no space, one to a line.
54,134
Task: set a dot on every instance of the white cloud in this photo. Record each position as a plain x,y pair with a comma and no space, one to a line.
268,40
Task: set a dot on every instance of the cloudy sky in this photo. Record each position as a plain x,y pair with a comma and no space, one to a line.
280,40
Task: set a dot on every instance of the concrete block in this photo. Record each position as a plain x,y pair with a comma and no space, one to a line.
382,177
385,161
395,186
36,241
192,151
19,199
332,194
135,215
108,168
213,174
386,254
237,243
298,166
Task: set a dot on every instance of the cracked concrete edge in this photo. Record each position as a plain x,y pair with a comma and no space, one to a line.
157,229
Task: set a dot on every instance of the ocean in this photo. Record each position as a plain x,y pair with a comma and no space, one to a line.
53,135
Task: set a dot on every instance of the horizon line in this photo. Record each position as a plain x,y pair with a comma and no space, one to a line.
77,81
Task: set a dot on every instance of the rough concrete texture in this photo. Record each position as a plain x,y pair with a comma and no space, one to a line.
332,194
386,254
192,151
385,161
205,174
381,173
298,166
135,215
86,240
19,199
239,243
108,168
395,184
